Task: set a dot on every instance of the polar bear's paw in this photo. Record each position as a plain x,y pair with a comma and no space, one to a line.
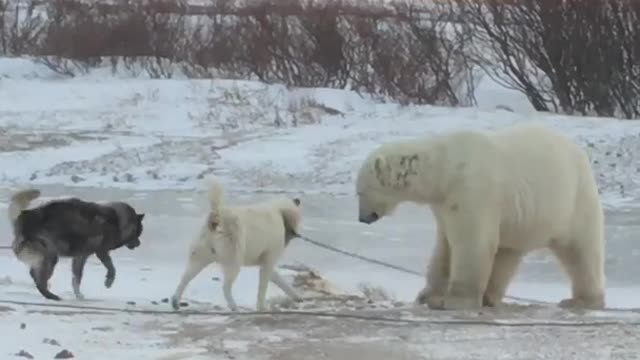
453,303
461,303
491,300
430,298
590,303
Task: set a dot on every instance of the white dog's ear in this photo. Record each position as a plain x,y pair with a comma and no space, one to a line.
213,221
382,170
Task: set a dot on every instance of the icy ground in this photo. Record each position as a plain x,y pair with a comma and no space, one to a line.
152,141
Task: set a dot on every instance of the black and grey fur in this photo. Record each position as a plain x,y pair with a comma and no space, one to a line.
70,228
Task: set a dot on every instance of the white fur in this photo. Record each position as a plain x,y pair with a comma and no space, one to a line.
236,236
495,197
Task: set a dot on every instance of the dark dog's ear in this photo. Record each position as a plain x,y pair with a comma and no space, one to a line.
296,201
140,217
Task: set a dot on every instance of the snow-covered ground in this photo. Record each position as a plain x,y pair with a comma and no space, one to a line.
152,141
100,130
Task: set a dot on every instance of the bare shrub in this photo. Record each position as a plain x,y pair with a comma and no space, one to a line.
414,56
395,52
20,27
578,57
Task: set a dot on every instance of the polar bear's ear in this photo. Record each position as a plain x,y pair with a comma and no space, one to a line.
382,170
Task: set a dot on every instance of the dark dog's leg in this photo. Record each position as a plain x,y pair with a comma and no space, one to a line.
77,268
108,264
42,274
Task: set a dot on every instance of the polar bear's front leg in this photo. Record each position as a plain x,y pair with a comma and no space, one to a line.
437,276
505,264
473,240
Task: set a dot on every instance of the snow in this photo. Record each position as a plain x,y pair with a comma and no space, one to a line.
251,134
145,136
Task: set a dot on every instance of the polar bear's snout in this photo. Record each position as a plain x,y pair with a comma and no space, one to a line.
368,211
369,218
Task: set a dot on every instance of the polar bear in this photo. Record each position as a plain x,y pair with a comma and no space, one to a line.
495,197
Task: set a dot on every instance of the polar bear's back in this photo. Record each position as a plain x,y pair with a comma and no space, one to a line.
548,186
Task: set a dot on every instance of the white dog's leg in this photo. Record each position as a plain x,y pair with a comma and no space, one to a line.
282,284
194,267
231,272
266,269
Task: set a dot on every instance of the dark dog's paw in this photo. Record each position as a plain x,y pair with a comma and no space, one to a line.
109,281
53,297
175,304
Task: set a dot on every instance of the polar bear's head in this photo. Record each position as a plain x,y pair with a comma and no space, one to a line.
377,187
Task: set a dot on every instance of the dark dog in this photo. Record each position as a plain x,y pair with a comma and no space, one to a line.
70,228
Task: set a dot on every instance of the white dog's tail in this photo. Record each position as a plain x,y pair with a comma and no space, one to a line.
230,222
234,236
291,216
20,201
216,195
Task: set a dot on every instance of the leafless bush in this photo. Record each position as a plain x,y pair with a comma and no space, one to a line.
578,57
413,56
395,52
20,26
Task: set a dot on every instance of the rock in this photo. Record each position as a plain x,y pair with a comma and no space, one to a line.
165,300
53,342
23,326
184,304
64,354
131,302
24,354
76,178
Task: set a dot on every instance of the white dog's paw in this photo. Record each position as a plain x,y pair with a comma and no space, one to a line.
262,307
422,297
296,297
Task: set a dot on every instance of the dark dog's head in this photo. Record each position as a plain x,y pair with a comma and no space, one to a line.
129,224
134,241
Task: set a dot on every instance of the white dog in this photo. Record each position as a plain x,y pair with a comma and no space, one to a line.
236,236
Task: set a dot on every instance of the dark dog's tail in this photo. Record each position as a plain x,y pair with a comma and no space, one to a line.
20,201
28,252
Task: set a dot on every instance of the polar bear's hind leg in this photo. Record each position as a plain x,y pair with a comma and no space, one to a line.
583,264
